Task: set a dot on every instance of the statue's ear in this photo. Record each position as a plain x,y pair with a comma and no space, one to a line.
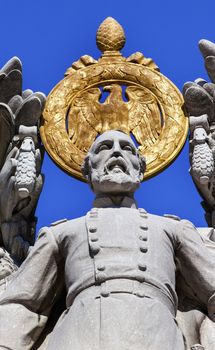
142,161
85,168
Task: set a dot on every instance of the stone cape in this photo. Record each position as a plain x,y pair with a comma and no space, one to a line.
119,268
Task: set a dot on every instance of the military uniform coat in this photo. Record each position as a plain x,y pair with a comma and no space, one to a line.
119,268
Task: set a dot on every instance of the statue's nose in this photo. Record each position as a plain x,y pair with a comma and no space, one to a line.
116,151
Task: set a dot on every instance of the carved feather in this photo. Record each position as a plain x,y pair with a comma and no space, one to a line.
144,115
84,119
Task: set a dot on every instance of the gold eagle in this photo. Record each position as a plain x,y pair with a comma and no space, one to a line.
139,115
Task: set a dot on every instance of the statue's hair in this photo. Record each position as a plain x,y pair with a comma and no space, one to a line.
85,167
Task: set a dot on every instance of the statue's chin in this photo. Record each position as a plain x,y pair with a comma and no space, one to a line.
116,183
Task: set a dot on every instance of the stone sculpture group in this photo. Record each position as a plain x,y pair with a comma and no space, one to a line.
115,279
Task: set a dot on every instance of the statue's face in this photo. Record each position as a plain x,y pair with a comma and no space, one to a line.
114,164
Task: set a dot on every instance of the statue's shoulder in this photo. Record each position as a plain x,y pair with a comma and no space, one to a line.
166,218
58,222
67,224
181,222
172,216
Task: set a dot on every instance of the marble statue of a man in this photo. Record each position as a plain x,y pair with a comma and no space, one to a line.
118,264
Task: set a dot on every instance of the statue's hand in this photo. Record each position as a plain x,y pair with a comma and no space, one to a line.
14,233
8,195
17,223
199,99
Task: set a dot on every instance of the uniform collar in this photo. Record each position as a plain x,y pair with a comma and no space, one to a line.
107,202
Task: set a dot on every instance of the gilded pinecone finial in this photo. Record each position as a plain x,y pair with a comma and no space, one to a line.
110,35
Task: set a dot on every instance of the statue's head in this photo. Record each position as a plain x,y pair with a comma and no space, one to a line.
113,165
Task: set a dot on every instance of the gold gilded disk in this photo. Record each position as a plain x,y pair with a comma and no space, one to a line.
114,92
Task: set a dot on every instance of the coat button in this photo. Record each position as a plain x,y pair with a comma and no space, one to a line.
95,248
143,249
93,214
94,238
105,294
92,229
143,238
144,227
100,267
142,211
101,277
142,267
144,216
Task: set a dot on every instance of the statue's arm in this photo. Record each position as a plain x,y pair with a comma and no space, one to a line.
30,295
196,264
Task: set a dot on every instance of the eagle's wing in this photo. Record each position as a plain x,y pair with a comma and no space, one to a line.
84,121
144,116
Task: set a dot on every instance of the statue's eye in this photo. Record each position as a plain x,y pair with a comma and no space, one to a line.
104,147
128,148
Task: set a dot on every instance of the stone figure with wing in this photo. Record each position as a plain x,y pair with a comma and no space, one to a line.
20,166
117,278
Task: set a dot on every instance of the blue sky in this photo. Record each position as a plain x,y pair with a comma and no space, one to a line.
49,35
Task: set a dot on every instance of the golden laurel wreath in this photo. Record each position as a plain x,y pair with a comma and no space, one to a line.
141,102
